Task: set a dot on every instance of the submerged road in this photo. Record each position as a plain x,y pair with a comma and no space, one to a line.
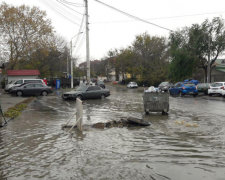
187,144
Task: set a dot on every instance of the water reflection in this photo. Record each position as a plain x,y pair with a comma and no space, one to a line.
34,146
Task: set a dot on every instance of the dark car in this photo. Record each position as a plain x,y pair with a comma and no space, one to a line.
101,84
203,87
86,92
31,89
181,89
164,86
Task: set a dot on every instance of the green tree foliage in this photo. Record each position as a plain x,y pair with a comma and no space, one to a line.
151,58
182,61
146,60
198,43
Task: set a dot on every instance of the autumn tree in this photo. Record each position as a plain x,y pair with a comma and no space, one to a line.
24,30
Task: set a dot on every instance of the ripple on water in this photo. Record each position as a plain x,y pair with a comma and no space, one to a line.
34,146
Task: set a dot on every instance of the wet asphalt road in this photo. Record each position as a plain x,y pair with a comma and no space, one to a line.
187,144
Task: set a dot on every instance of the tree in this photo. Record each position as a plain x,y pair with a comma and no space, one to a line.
24,30
151,54
182,61
202,44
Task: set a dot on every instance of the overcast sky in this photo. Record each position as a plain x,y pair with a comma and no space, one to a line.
109,29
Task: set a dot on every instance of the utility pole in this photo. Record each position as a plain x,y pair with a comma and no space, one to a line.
209,62
67,65
71,46
87,42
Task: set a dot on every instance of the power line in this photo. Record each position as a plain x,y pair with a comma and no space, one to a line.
69,7
59,12
132,16
72,3
81,30
159,18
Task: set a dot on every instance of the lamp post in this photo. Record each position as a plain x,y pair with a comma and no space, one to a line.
71,54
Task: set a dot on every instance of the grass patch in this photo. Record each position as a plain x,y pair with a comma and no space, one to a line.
15,111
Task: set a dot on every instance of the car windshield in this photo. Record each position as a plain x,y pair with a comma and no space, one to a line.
189,85
81,88
100,82
164,83
11,82
216,84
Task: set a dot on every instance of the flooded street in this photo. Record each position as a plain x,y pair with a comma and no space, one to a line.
187,144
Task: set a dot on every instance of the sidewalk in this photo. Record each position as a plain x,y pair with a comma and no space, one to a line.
7,100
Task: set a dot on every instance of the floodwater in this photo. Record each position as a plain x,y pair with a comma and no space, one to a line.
187,144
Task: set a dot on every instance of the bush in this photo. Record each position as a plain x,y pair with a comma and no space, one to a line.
15,111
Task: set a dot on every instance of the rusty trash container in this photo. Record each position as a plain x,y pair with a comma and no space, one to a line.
156,102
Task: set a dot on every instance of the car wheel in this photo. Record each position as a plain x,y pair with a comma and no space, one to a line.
180,94
164,113
44,93
103,96
80,97
210,94
19,93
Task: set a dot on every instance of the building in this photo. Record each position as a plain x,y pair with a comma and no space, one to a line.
13,75
218,71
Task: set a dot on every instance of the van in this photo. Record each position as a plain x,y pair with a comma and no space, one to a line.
12,84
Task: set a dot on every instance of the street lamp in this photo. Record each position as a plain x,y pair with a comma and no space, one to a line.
71,63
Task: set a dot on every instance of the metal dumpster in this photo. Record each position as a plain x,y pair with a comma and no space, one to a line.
156,102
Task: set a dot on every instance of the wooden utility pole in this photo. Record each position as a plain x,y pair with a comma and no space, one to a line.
87,42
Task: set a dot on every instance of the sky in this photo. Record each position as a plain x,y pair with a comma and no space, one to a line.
111,30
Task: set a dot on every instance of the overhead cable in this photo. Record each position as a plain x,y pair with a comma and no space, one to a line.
72,3
60,13
69,7
132,16
81,30
159,18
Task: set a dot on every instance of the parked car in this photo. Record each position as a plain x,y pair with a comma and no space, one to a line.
203,88
132,85
86,92
31,89
216,88
101,84
12,84
223,92
181,89
193,81
164,86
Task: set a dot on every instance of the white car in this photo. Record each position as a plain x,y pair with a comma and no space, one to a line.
223,92
12,84
216,88
132,85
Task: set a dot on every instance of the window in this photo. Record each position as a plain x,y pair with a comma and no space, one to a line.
38,85
19,82
94,88
32,81
29,86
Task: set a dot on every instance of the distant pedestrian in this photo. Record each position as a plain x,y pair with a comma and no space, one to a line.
45,81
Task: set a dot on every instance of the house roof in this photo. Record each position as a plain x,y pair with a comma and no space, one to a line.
23,72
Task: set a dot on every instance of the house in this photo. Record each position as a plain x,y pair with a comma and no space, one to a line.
218,71
13,75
